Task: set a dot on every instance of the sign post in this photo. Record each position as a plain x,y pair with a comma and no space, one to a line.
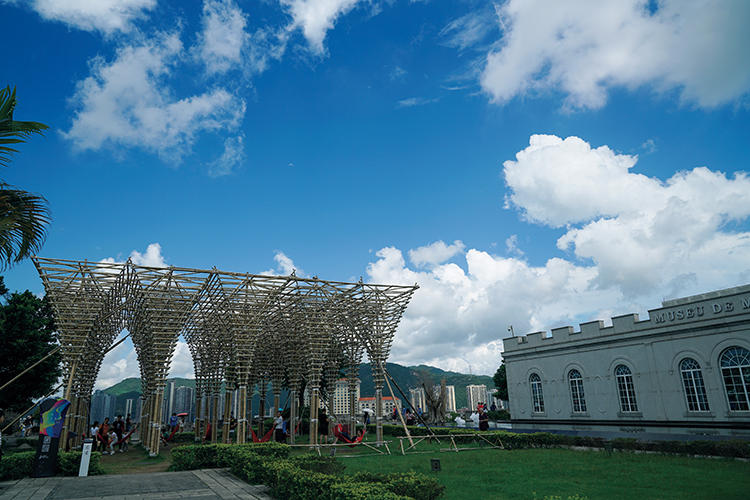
83,471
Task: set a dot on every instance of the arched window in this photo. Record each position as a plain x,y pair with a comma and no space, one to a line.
537,397
625,389
735,370
576,391
695,389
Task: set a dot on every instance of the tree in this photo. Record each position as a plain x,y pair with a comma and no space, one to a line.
501,383
27,334
23,216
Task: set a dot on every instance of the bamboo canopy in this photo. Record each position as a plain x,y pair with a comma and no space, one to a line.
241,329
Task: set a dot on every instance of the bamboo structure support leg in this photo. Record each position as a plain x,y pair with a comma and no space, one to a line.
262,410
226,438
214,417
314,406
293,416
379,415
242,414
156,422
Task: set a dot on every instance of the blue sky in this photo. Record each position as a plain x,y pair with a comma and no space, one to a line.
527,163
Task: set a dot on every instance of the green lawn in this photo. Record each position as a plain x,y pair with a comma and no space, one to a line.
542,473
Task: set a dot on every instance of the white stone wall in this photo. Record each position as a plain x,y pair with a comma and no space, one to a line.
699,327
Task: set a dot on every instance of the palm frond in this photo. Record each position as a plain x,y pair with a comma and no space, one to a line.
23,224
12,131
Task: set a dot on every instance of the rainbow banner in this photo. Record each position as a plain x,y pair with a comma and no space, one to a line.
52,419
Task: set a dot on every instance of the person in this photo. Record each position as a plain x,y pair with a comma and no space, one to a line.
484,420
279,427
118,426
367,418
103,434
2,420
174,421
395,414
128,423
112,441
493,407
323,426
27,426
92,434
164,436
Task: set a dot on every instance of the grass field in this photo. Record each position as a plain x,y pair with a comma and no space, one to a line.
539,473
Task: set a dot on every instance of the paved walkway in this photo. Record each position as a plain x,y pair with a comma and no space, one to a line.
198,485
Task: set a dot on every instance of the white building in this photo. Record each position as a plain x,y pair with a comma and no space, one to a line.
476,394
388,405
685,370
341,396
417,398
450,401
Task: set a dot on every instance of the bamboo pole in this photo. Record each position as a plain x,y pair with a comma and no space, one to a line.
400,415
214,417
226,438
242,414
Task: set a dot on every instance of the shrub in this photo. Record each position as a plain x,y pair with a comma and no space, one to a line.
17,465
20,465
407,484
350,490
207,456
314,463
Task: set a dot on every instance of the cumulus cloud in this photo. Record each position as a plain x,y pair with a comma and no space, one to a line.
639,231
122,362
583,48
629,241
316,17
284,266
128,102
223,38
435,253
460,313
106,16
152,257
230,159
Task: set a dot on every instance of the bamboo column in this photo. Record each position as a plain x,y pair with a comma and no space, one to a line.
214,416
242,414
314,407
226,438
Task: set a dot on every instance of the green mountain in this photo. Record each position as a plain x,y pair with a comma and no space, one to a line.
133,385
406,377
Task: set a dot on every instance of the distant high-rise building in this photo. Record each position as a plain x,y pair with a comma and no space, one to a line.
417,398
184,402
129,403
102,405
450,398
476,394
341,397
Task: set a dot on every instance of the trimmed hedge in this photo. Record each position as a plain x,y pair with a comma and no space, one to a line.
511,440
303,477
21,464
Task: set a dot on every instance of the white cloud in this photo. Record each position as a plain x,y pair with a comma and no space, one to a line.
462,313
585,47
152,257
284,266
411,102
107,16
316,17
230,159
223,38
435,253
640,232
128,102
634,239
470,29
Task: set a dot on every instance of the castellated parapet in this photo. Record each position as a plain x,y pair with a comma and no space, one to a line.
720,306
